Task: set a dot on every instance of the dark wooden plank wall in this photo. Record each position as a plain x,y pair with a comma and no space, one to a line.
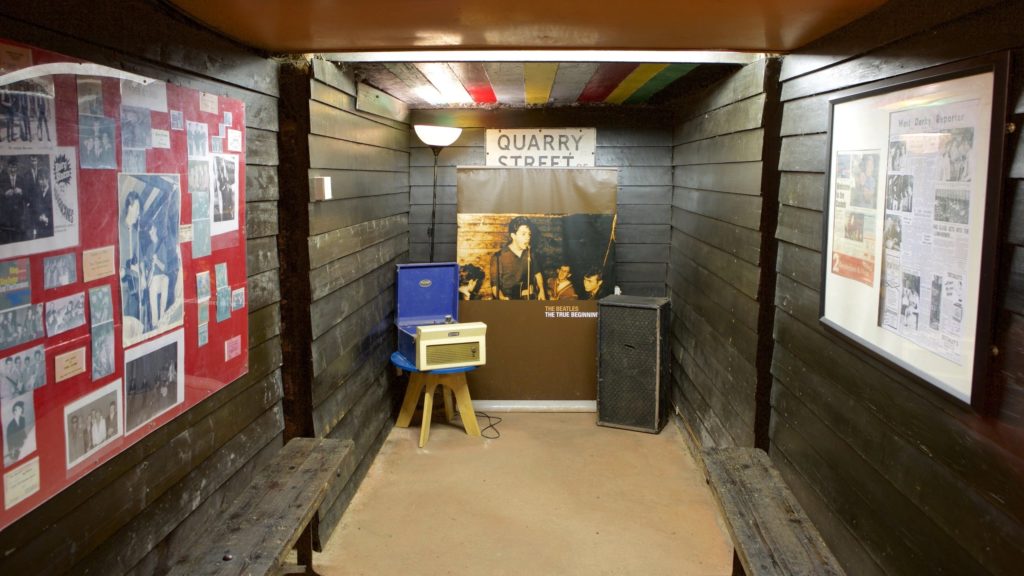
134,514
355,240
642,155
715,268
899,479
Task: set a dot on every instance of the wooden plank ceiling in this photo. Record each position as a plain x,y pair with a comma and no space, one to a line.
318,26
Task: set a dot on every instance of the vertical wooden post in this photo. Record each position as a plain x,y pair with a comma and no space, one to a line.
293,246
769,247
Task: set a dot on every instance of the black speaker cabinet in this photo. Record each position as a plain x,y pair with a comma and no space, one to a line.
633,375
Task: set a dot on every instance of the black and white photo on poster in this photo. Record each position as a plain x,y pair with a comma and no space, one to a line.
203,285
151,94
102,350
892,232
150,256
20,325
23,372
90,96
136,127
18,416
910,302
60,270
956,164
199,188
133,160
38,202
899,193
154,378
223,292
65,314
92,422
952,205
197,138
224,193
96,137
101,307
177,120
27,113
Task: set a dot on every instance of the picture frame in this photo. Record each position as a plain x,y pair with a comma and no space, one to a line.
910,222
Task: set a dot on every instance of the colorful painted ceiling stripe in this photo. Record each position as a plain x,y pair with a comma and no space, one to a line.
455,84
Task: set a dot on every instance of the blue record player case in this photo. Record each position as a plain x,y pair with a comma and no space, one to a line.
427,294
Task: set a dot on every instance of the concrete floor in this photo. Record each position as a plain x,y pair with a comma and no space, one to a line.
555,495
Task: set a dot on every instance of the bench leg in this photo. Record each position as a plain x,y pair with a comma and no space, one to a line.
304,548
412,397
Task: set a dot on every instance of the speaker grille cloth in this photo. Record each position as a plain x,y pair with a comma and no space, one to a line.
627,386
451,353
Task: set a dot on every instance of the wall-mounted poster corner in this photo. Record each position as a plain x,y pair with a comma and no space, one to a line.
911,221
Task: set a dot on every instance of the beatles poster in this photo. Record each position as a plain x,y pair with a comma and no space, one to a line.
102,336
536,250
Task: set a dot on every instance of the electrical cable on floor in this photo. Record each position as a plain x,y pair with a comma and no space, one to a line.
492,424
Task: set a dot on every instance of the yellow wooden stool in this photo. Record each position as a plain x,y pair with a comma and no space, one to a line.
452,380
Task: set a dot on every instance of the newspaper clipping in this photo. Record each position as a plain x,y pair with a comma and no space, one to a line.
927,226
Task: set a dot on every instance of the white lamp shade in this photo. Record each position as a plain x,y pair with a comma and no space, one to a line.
437,135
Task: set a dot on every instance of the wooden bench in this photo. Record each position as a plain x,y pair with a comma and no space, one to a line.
770,532
274,514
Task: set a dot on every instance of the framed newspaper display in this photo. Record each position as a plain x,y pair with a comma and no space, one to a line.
911,221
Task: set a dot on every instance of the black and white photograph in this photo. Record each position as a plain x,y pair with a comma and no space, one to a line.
92,422
18,417
237,299
101,308
102,350
899,193
20,325
223,292
65,314
154,378
60,270
952,205
892,233
224,193
26,198
910,302
149,255
203,285
23,372
897,155
177,120
38,202
136,127
96,148
197,137
935,304
27,108
957,152
133,160
150,95
199,188
90,97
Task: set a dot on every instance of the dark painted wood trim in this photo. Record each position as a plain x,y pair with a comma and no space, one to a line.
293,248
769,246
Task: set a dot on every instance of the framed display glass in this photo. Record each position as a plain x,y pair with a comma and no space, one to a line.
911,217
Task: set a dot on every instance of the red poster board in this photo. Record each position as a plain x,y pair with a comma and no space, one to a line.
122,263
